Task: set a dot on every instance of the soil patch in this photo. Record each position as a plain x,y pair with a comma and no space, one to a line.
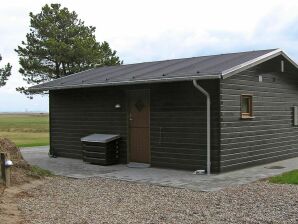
9,202
21,171
22,179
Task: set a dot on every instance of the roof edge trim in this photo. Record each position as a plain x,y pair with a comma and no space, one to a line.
239,68
149,81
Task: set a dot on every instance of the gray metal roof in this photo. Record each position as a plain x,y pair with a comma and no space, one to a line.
204,67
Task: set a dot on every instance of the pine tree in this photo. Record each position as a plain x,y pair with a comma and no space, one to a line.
60,44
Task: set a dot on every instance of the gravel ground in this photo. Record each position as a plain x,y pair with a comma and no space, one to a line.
96,200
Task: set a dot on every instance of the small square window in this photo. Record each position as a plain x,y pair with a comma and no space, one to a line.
246,106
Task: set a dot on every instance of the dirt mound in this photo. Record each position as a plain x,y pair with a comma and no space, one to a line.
21,178
21,170
8,146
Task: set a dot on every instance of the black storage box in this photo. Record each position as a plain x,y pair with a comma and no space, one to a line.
101,149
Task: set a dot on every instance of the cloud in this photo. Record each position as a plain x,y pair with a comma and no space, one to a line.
155,30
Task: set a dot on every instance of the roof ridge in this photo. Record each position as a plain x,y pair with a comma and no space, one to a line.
211,55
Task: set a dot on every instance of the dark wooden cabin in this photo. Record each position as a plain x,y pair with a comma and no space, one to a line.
162,117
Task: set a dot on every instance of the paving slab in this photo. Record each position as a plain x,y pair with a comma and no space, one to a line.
76,168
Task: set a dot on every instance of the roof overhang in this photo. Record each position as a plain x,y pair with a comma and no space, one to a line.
256,61
131,82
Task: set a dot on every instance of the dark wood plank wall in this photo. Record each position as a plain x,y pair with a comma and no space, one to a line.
178,121
178,125
270,136
78,113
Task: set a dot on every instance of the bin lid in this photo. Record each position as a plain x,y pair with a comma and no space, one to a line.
101,138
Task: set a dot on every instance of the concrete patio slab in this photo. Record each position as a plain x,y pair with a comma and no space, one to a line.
165,177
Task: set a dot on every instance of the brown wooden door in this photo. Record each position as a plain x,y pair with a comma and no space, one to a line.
139,115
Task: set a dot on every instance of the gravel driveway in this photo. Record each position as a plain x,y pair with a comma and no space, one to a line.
96,200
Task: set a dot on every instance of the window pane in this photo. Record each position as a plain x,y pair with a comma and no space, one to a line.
245,105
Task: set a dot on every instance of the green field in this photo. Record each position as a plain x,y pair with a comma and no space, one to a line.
25,129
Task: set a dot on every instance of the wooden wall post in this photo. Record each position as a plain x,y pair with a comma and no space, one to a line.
2,163
5,171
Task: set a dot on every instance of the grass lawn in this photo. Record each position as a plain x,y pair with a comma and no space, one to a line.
37,171
25,129
286,178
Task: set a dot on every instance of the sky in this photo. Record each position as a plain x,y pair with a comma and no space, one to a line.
143,30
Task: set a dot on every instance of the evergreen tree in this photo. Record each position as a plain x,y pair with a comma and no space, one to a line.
60,44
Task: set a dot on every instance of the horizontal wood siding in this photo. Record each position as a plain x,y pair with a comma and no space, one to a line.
178,125
78,113
270,135
177,121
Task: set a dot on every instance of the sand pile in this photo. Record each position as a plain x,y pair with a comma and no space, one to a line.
21,170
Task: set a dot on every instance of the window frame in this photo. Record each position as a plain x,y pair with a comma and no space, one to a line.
249,114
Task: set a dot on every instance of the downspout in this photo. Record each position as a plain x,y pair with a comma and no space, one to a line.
197,86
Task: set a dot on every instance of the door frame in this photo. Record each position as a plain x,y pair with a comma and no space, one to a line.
147,90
